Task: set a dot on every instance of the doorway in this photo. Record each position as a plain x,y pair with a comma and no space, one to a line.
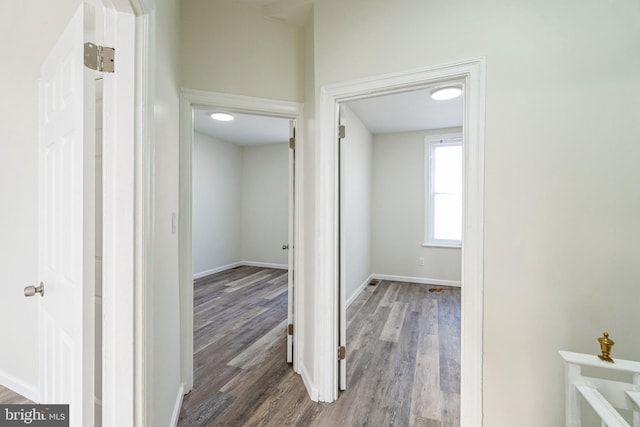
471,73
391,271
236,105
79,183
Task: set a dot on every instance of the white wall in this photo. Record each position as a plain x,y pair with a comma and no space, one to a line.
265,203
306,291
561,251
240,204
32,28
356,158
163,375
216,215
399,211
231,47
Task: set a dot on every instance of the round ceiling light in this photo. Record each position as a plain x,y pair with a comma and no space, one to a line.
444,93
222,117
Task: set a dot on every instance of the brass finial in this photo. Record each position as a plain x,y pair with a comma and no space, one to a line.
605,347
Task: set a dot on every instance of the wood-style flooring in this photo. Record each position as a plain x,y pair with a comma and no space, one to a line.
403,356
9,397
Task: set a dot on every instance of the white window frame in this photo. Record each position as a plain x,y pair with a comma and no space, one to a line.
430,142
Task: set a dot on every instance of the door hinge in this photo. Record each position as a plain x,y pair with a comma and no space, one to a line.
291,329
99,58
292,142
342,353
341,131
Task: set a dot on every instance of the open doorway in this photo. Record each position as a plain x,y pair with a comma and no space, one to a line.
472,74
400,265
241,226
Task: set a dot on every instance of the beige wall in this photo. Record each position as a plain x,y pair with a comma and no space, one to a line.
561,176
230,47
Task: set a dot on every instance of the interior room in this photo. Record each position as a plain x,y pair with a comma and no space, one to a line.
240,219
402,281
240,192
552,105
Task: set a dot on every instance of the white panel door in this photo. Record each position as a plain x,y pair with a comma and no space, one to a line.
66,223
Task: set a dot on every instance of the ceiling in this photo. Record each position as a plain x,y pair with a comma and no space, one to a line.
407,111
245,129
401,112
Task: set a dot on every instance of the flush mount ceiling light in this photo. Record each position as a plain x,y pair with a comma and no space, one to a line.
222,117
444,93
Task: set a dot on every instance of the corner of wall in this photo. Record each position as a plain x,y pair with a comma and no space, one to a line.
312,390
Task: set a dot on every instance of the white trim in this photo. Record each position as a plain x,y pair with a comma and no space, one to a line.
216,270
419,280
358,291
471,74
189,100
242,104
308,384
143,212
176,408
441,245
238,264
30,391
266,265
119,146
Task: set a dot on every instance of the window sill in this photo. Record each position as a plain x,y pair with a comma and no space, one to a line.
441,245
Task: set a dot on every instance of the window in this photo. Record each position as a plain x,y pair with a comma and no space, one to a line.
443,198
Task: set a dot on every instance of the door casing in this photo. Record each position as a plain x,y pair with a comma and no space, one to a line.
123,24
189,100
326,273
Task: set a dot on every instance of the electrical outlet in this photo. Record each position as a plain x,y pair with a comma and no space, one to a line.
421,262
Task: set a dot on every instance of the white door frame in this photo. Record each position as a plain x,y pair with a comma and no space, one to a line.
189,100
472,73
127,207
129,27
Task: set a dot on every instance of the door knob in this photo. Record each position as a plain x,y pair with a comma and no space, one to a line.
285,247
30,291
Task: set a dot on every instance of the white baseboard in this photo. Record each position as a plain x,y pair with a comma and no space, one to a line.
422,280
216,270
29,391
311,390
238,264
359,290
265,265
178,406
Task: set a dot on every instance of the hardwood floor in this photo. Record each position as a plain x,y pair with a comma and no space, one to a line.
403,356
9,397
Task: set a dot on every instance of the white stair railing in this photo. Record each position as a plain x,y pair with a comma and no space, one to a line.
604,396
